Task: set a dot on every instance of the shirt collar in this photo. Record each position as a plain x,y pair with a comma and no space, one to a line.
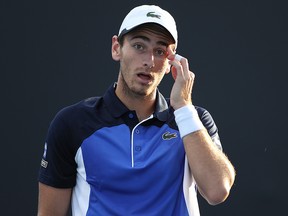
117,108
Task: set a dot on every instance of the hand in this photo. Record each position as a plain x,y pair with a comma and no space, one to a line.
181,93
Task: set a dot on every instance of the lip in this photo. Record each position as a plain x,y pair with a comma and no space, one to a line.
145,78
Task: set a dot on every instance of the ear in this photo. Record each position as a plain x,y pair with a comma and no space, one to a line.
115,48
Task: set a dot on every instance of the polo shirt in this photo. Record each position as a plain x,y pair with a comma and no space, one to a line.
117,165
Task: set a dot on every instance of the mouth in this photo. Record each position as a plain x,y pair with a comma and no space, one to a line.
145,78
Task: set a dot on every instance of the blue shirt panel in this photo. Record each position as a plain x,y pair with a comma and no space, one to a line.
151,187
102,124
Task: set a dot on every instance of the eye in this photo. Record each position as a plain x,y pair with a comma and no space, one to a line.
160,52
138,46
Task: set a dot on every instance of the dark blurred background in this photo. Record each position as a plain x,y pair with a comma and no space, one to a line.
54,54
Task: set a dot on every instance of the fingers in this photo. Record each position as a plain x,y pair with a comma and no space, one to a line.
182,66
178,57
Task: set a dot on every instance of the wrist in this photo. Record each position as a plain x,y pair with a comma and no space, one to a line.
187,120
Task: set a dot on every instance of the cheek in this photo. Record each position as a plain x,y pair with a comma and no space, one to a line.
165,67
126,63
128,58
161,73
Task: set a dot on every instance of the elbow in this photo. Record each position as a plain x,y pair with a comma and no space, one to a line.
218,196
220,192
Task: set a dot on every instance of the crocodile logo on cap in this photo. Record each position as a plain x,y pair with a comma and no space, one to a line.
152,14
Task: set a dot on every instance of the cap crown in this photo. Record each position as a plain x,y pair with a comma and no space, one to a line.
149,14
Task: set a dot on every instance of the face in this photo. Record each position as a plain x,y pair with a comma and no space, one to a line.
143,62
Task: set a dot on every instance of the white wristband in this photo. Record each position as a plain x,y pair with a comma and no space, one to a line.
178,57
187,120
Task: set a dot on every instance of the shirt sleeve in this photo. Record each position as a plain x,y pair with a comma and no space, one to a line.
210,125
58,166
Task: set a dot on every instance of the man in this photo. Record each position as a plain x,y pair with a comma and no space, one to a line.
131,151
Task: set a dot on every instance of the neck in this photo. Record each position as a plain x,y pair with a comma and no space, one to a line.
144,106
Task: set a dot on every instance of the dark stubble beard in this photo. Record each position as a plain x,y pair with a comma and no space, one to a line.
131,93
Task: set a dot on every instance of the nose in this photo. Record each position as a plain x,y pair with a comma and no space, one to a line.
148,60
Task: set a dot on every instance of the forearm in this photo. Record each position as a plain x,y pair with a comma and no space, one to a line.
211,169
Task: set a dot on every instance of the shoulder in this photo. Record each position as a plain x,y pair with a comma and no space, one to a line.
72,117
207,120
79,109
210,125
70,124
204,114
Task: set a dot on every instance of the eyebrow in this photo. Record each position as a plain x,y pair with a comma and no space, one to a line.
162,43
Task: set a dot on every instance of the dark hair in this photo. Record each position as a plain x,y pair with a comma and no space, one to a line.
153,27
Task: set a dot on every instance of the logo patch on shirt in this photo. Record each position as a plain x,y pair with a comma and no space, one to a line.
167,135
44,163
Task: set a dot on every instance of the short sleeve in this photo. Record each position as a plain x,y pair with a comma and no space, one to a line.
58,166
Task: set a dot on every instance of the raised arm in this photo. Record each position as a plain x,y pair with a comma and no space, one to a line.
213,172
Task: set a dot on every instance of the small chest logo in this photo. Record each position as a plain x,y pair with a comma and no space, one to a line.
167,135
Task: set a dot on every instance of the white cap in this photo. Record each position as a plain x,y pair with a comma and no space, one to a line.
149,14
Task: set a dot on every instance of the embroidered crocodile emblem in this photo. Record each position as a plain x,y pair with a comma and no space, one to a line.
152,14
167,135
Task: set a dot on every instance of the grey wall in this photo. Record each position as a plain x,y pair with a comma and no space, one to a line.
54,54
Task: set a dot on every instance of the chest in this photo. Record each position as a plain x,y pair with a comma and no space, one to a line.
118,153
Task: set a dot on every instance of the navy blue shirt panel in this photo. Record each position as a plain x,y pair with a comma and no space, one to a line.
73,124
